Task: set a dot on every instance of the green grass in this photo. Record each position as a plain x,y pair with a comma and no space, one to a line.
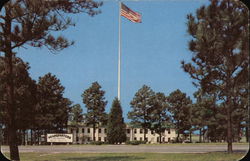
188,144
216,156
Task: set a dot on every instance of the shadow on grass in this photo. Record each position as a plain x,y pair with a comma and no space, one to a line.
105,158
234,151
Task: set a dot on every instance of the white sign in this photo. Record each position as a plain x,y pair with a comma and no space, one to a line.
60,138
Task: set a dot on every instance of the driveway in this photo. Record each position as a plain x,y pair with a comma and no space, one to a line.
192,148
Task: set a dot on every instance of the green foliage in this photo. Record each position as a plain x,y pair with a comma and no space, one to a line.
220,45
220,62
33,22
116,129
179,107
53,108
94,99
209,116
24,93
96,142
76,115
141,105
135,142
159,118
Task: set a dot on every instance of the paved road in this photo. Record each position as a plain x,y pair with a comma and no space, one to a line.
129,148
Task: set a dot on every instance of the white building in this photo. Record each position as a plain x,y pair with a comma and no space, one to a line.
83,134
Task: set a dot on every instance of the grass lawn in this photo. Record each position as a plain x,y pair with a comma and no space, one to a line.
188,144
216,156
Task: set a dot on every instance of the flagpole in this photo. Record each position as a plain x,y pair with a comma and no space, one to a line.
119,55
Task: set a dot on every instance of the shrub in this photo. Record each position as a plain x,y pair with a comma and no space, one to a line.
135,142
96,142
143,142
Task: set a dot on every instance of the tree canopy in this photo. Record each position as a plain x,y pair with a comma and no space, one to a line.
53,107
220,47
25,92
179,106
34,23
76,115
94,99
116,128
159,118
141,105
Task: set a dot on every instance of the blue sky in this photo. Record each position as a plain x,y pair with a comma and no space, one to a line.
151,51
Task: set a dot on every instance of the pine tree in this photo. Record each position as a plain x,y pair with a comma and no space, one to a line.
220,48
141,105
33,23
159,118
52,108
116,128
76,115
199,113
94,99
24,93
179,108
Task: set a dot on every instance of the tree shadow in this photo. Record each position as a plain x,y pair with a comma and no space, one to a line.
105,158
234,151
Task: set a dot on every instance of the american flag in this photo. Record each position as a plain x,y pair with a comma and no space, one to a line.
129,14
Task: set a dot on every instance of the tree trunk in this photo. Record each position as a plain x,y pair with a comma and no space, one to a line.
178,135
190,136
238,133
203,136
35,137
94,132
200,136
144,134
39,137
31,136
160,137
247,134
14,154
229,128
23,140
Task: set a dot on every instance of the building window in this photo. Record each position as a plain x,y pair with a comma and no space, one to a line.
100,131
140,138
128,131
134,138
77,138
82,130
88,130
146,139
77,130
135,131
105,131
163,139
146,131
158,139
88,138
105,139
152,132
168,131
141,131
99,139
168,139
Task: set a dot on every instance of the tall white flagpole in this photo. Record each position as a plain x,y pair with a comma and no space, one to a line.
119,55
